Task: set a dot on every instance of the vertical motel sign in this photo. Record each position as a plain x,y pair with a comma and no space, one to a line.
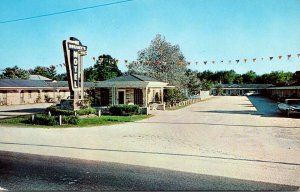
74,52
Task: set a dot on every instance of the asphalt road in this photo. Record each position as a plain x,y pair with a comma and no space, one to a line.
33,172
221,142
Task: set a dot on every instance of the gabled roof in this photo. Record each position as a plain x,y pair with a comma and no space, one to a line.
131,81
38,77
131,77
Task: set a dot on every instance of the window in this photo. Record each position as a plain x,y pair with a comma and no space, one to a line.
138,96
29,94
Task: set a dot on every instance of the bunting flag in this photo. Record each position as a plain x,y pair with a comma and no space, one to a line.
188,63
298,55
148,62
64,64
197,62
221,61
289,56
125,61
157,62
180,62
205,62
254,59
262,58
213,62
94,58
279,57
229,61
237,61
117,61
245,60
271,58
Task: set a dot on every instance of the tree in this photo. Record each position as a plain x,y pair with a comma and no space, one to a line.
249,77
104,68
194,84
15,73
161,61
49,72
238,79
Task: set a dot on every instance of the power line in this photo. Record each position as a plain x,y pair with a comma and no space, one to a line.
63,12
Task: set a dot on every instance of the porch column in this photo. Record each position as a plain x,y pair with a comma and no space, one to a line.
146,97
162,94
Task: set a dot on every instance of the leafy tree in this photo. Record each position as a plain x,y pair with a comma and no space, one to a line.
15,73
206,85
61,77
104,68
280,77
172,96
249,77
238,79
162,61
49,72
229,76
194,84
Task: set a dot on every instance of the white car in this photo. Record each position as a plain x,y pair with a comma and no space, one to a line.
290,106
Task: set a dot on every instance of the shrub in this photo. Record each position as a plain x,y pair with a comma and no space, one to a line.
172,96
74,120
56,111
45,120
124,110
86,111
48,99
54,120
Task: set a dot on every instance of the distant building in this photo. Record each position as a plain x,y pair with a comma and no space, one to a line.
239,89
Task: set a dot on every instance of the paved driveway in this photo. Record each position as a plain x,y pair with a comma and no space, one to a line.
236,137
15,110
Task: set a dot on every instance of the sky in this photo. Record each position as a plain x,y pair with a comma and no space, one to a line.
205,30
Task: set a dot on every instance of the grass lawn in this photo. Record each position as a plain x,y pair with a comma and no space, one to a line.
84,122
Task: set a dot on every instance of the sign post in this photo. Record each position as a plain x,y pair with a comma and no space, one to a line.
74,52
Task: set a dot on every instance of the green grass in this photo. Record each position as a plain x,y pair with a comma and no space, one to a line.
84,122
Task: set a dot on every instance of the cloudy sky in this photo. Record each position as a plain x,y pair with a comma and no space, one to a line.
205,30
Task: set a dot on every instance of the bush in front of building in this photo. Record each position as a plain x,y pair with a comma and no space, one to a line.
54,120
86,111
56,111
125,110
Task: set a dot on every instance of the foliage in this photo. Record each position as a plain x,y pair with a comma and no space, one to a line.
53,120
86,111
206,85
38,99
73,120
15,73
49,72
104,68
219,89
172,96
194,84
56,111
161,61
61,77
48,99
125,110
45,120
249,77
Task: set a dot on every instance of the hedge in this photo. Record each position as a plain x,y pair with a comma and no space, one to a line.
86,111
125,110
53,120
56,111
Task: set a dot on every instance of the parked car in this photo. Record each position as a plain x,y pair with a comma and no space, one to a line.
290,106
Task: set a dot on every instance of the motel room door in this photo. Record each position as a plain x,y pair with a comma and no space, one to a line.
121,97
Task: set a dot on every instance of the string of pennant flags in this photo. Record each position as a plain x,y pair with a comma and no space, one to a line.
148,62
280,57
